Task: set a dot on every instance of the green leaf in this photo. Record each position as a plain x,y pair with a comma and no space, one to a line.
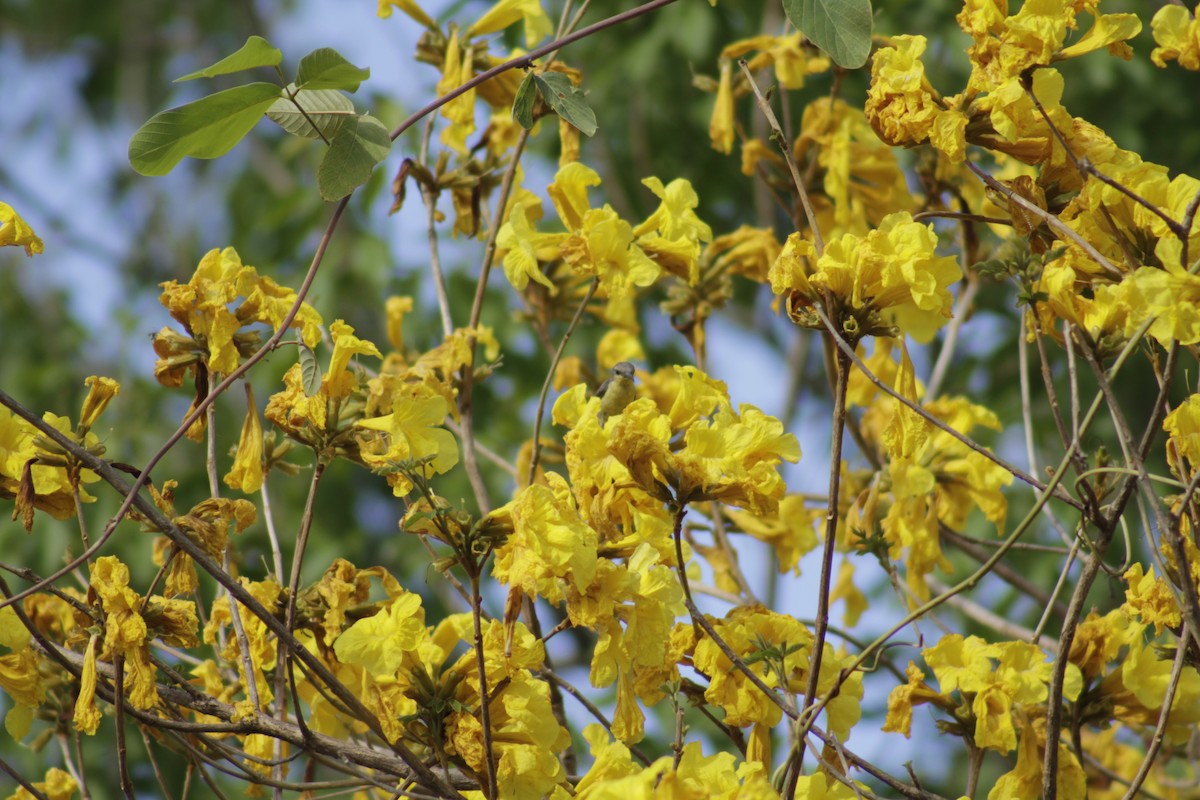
522,110
842,28
206,128
325,68
325,108
310,371
566,100
360,144
256,52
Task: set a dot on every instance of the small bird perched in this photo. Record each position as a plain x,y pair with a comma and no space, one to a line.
617,391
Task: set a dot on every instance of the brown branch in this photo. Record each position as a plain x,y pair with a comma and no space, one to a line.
831,519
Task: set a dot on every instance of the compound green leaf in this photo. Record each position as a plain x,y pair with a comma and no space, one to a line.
522,110
325,68
327,109
842,28
206,128
566,100
256,52
359,144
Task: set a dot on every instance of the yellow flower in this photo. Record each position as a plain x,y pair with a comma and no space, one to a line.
20,676
413,434
747,251
246,474
1098,640
845,589
1108,30
679,231
901,106
506,12
15,232
721,128
87,716
789,531
887,283
207,308
1177,34
550,545
59,785
860,175
517,244
262,644
339,381
904,698
603,247
457,68
396,308
378,643
960,663
1149,599
1024,781
100,392
1183,429
410,8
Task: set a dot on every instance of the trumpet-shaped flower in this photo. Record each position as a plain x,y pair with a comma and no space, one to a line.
412,434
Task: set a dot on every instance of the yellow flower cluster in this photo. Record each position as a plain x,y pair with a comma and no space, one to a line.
887,283
599,245
930,479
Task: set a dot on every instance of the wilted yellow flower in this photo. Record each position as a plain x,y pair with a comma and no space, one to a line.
246,474
87,716
130,624
721,128
1149,599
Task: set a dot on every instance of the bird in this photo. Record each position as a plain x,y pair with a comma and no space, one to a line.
617,391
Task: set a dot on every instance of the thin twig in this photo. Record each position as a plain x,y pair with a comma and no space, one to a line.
466,394
541,406
485,700
785,147
831,520
526,61
435,260
1051,220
